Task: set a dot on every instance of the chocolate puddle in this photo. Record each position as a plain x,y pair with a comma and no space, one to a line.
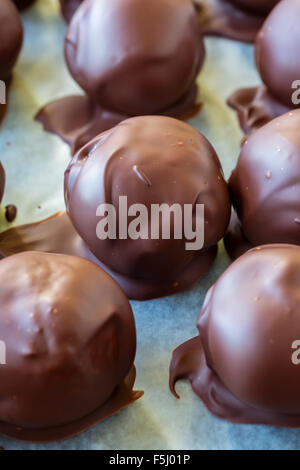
255,107
222,18
57,235
123,396
189,363
77,119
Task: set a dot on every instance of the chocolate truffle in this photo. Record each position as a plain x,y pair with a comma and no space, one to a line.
68,8
148,62
265,185
70,342
244,363
278,63
151,160
234,19
11,37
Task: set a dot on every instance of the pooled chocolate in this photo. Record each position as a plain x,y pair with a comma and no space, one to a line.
148,62
244,365
68,8
151,160
236,19
278,63
70,343
265,187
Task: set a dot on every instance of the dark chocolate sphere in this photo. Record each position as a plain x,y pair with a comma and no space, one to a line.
265,184
256,6
248,326
135,57
68,8
11,37
277,53
151,160
70,339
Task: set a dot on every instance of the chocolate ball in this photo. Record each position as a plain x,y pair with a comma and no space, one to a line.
247,337
265,184
277,51
244,363
68,8
135,57
256,6
70,340
151,160
11,37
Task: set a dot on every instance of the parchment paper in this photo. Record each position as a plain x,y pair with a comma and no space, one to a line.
35,163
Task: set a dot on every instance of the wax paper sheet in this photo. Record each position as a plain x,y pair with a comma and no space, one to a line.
35,163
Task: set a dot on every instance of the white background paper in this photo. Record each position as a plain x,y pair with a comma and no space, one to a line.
35,162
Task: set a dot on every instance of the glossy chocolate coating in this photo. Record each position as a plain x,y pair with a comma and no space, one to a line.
257,6
151,160
265,184
148,57
68,8
277,53
11,37
70,341
241,363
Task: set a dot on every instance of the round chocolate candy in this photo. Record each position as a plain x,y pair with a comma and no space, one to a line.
245,362
277,55
150,54
265,185
68,334
150,160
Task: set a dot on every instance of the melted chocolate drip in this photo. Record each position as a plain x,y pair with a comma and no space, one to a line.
224,19
255,107
77,120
